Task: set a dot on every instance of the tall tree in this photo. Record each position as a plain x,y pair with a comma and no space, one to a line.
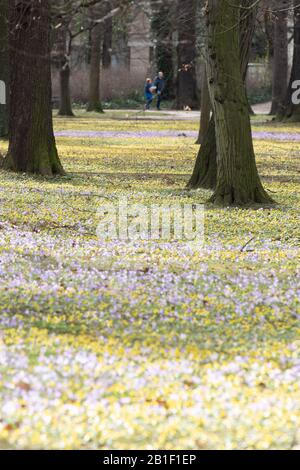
4,67
205,170
238,182
64,43
32,145
280,60
163,26
205,108
72,19
186,54
291,111
94,103
269,32
107,43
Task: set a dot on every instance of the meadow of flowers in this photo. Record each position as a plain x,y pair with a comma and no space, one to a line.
138,345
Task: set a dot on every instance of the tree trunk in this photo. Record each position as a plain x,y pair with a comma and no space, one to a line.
247,26
32,145
205,170
107,43
94,103
280,62
107,50
162,29
65,105
186,55
65,102
269,31
290,110
205,108
238,182
3,68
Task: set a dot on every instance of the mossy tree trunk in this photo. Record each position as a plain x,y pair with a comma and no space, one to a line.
4,67
280,61
291,111
205,169
32,145
94,103
238,181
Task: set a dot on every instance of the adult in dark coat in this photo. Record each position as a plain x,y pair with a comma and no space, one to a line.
160,85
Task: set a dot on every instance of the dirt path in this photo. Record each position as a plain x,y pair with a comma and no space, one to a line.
174,115
262,108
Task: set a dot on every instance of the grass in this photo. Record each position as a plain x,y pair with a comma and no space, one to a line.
108,344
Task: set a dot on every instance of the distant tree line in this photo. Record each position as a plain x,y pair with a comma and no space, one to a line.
217,33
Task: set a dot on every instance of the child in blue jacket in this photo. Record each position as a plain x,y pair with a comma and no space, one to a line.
148,93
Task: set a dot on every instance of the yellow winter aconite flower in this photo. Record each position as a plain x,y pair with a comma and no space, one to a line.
202,311
146,345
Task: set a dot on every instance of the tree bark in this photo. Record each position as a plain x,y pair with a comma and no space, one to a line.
94,103
186,55
107,43
247,27
269,31
205,169
65,105
238,182
291,111
4,67
65,102
280,62
32,145
205,108
107,50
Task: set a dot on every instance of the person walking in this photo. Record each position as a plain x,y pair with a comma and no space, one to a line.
148,93
159,84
